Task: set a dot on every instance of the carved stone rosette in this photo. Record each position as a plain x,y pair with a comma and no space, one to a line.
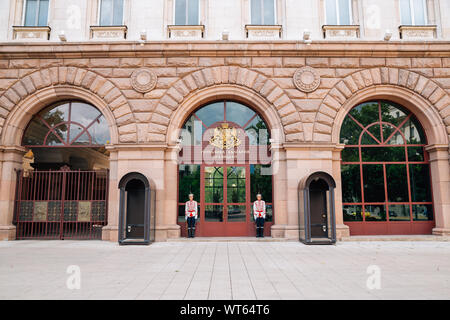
306,79
143,80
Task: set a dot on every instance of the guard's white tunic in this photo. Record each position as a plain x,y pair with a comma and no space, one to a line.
259,209
191,209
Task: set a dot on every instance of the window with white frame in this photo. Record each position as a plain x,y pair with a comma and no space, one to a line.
111,12
262,12
413,12
338,12
36,13
187,12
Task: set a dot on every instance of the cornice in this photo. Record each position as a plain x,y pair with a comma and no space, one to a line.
95,49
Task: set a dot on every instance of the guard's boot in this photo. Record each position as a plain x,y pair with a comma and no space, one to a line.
261,232
193,233
257,232
189,232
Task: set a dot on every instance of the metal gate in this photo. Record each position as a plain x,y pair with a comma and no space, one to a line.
63,204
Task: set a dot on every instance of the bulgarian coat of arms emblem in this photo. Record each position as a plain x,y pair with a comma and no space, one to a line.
225,137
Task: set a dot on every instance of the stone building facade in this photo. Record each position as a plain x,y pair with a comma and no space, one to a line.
146,90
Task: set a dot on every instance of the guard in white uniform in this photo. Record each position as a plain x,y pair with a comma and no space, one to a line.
259,213
191,214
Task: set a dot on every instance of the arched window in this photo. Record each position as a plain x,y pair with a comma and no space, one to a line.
67,124
385,171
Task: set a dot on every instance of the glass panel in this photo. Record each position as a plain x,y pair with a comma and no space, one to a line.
397,183
375,133
211,113
43,13
419,175
83,113
180,12
378,154
238,113
214,184
193,11
396,139
331,12
236,184
237,213
189,182
55,115
75,130
256,10
31,12
52,140
392,113
269,212
351,183
192,132
373,183
118,12
415,154
422,212
99,131
258,132
350,132
405,10
419,12
399,212
106,12
35,133
269,12
375,213
261,181
413,132
214,213
352,213
344,12
350,155
366,113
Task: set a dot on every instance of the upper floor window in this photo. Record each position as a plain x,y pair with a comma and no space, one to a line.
111,12
338,12
187,12
413,12
263,12
36,13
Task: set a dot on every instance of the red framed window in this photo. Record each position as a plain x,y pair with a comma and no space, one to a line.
385,168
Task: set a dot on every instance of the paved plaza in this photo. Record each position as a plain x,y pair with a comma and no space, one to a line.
225,270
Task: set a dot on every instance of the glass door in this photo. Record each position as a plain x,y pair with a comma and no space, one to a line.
225,201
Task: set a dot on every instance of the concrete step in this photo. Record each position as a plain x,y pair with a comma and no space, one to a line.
229,239
414,237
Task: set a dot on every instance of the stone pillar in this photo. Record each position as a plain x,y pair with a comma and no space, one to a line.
342,230
440,180
110,231
279,191
10,161
171,192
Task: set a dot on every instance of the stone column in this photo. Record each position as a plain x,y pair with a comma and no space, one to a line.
171,192
342,230
110,231
440,180
279,191
10,161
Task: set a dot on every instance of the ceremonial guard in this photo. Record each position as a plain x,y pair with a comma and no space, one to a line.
259,213
191,215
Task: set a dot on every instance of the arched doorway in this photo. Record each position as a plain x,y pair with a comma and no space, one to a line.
137,201
317,224
62,189
225,161
386,183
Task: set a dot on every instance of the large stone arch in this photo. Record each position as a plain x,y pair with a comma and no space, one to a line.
34,91
426,99
251,82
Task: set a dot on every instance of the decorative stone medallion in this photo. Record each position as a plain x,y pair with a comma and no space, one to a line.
306,79
143,80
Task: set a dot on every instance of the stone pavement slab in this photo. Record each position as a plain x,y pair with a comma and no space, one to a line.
225,270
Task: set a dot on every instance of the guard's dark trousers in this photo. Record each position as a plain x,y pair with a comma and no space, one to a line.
260,227
191,227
